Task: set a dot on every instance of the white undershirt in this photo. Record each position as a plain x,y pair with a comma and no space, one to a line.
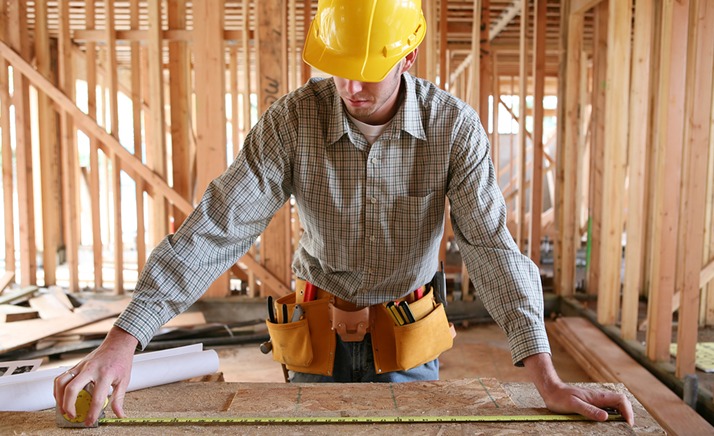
370,132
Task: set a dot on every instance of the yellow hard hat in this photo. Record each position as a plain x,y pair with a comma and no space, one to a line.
363,39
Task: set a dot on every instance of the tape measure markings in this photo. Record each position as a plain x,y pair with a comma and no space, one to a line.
350,419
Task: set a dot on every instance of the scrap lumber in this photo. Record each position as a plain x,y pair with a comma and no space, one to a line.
13,312
664,405
6,279
100,328
15,296
52,304
22,333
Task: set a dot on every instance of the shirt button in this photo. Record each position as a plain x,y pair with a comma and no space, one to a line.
373,200
374,161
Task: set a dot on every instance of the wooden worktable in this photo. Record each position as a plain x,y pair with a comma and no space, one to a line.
454,397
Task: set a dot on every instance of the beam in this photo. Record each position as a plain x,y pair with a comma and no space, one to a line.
582,6
504,19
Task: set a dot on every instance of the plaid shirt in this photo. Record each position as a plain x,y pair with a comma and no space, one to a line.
373,216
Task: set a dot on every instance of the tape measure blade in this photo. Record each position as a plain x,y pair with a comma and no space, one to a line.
348,419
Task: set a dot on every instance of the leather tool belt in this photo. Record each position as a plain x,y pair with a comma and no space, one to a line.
308,344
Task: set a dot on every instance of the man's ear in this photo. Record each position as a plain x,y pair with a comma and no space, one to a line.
409,60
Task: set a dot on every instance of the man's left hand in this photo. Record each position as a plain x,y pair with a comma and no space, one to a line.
560,397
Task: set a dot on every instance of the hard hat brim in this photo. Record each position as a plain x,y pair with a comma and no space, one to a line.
374,69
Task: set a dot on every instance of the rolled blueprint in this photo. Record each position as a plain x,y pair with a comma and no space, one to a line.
32,391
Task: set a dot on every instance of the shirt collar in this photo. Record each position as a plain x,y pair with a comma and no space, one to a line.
406,118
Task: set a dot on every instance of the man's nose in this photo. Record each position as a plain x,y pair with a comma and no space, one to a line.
354,87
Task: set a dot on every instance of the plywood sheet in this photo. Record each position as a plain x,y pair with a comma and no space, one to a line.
454,397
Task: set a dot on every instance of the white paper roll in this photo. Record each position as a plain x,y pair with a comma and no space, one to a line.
33,391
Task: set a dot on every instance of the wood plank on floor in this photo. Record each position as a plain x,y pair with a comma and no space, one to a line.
666,407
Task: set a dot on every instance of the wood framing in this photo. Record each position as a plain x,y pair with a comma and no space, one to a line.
639,148
616,120
17,37
276,242
536,192
209,85
567,162
698,108
521,159
668,143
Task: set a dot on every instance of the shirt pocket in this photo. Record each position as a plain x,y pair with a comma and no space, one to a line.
416,219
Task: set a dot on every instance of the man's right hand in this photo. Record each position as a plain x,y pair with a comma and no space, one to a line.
109,366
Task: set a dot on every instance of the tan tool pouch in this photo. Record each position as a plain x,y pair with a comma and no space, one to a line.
398,348
307,345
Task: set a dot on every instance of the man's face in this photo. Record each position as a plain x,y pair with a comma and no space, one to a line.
371,102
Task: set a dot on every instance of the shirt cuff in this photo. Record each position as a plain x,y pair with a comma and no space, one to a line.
140,322
527,342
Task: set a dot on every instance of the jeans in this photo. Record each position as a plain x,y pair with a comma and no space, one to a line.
354,362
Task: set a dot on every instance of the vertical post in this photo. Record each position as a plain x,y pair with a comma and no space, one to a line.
136,109
156,153
597,146
7,159
567,160
534,225
639,148
209,70
276,247
18,39
49,154
698,107
668,144
112,81
522,132
70,162
179,77
615,165
91,75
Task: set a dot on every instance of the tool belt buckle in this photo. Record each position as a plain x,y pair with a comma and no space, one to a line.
350,325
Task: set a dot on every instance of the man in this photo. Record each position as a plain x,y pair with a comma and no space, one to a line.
370,157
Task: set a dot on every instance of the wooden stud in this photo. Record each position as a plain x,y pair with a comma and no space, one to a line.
707,315
233,92
48,150
209,85
616,111
668,143
180,92
474,86
443,39
112,84
70,162
18,39
7,159
276,250
597,146
156,153
698,108
91,77
136,112
306,19
536,192
521,158
639,148
567,161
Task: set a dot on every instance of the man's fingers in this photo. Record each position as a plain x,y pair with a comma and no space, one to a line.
118,400
60,383
99,399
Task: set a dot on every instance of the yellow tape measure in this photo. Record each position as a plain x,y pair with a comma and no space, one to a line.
85,398
348,419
